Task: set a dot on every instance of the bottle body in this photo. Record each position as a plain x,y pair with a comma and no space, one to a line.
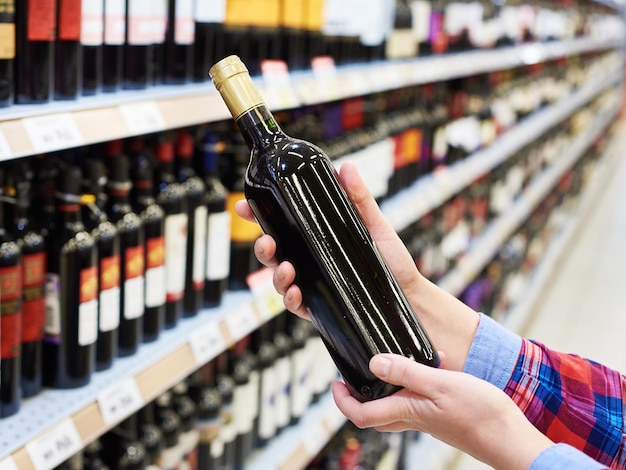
7,52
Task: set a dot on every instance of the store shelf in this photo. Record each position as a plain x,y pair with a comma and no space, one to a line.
431,191
33,129
485,248
76,417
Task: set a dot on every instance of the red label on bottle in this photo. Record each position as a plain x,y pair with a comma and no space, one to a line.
134,262
70,20
156,252
41,20
88,284
33,297
10,311
110,272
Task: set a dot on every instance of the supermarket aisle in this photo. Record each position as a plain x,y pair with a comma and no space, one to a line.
583,308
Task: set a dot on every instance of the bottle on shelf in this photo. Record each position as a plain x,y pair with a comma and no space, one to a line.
122,448
157,51
91,40
68,51
209,37
7,53
113,47
187,412
10,316
92,456
245,400
132,246
33,247
218,220
36,35
107,240
402,43
179,42
170,424
172,197
69,349
150,436
290,202
283,367
197,211
266,352
153,221
224,445
138,44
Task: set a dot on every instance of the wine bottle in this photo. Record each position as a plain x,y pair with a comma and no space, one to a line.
153,220
122,448
169,422
172,197
33,246
132,245
209,41
218,221
138,44
196,225
71,291
266,352
113,48
187,412
68,51
36,32
293,190
150,436
7,52
157,48
10,318
179,42
225,443
92,459
107,239
283,368
244,401
91,39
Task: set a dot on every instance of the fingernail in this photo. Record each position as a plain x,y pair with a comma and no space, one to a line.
380,366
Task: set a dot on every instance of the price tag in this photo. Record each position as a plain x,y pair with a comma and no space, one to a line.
119,401
8,464
316,438
52,132
242,321
279,92
207,342
54,447
325,73
5,153
268,301
142,118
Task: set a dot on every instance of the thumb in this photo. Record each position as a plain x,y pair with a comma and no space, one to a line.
405,372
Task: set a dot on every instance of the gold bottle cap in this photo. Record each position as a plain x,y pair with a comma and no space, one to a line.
232,79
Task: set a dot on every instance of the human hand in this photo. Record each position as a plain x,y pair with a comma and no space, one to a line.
457,408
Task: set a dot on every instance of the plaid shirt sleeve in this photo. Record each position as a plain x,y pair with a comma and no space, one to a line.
572,400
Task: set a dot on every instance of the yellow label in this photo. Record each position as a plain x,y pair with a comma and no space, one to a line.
253,13
314,15
240,229
293,13
7,41
412,145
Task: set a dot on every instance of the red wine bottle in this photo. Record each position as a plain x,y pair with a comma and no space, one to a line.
132,243
113,48
218,221
36,33
138,44
159,30
196,225
150,435
91,39
172,197
209,40
7,52
153,220
179,41
107,240
209,405
169,422
122,448
293,190
71,291
68,51
10,318
33,246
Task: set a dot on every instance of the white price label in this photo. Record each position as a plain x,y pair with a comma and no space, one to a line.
143,118
52,132
278,91
5,151
316,438
268,301
119,401
242,321
207,342
8,464
54,447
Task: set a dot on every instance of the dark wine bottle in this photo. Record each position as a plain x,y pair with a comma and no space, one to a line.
109,262
113,48
209,40
71,291
225,442
266,352
218,221
92,458
179,41
169,422
150,435
36,32
157,49
196,224
209,405
122,448
187,412
138,44
132,244
10,318
293,190
153,220
172,197
68,51
7,52
33,246
91,39
245,401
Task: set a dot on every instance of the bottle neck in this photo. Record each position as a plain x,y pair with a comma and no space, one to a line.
68,207
143,191
259,128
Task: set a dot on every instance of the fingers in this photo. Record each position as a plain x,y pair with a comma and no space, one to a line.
242,208
405,372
